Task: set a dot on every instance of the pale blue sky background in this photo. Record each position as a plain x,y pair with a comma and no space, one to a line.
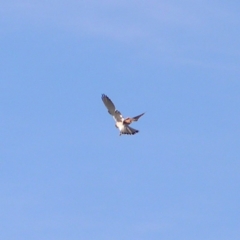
65,172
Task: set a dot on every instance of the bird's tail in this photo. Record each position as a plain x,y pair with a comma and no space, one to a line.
129,130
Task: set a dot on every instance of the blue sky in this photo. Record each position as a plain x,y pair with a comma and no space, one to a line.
65,172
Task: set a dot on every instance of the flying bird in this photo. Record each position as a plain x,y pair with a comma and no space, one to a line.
120,122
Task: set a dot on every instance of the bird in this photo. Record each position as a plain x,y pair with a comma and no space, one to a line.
120,122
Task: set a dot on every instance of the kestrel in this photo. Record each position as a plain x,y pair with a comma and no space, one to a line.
121,123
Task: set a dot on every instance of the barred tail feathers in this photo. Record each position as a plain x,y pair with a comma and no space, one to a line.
129,130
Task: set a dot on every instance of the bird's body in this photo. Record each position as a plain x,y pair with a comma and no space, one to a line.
121,123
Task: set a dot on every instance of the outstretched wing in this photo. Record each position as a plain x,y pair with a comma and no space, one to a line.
111,108
134,119
137,117
109,104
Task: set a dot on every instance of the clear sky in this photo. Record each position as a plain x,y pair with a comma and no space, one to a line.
66,173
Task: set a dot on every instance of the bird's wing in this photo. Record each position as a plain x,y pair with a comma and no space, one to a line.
137,117
118,116
130,120
111,108
109,104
